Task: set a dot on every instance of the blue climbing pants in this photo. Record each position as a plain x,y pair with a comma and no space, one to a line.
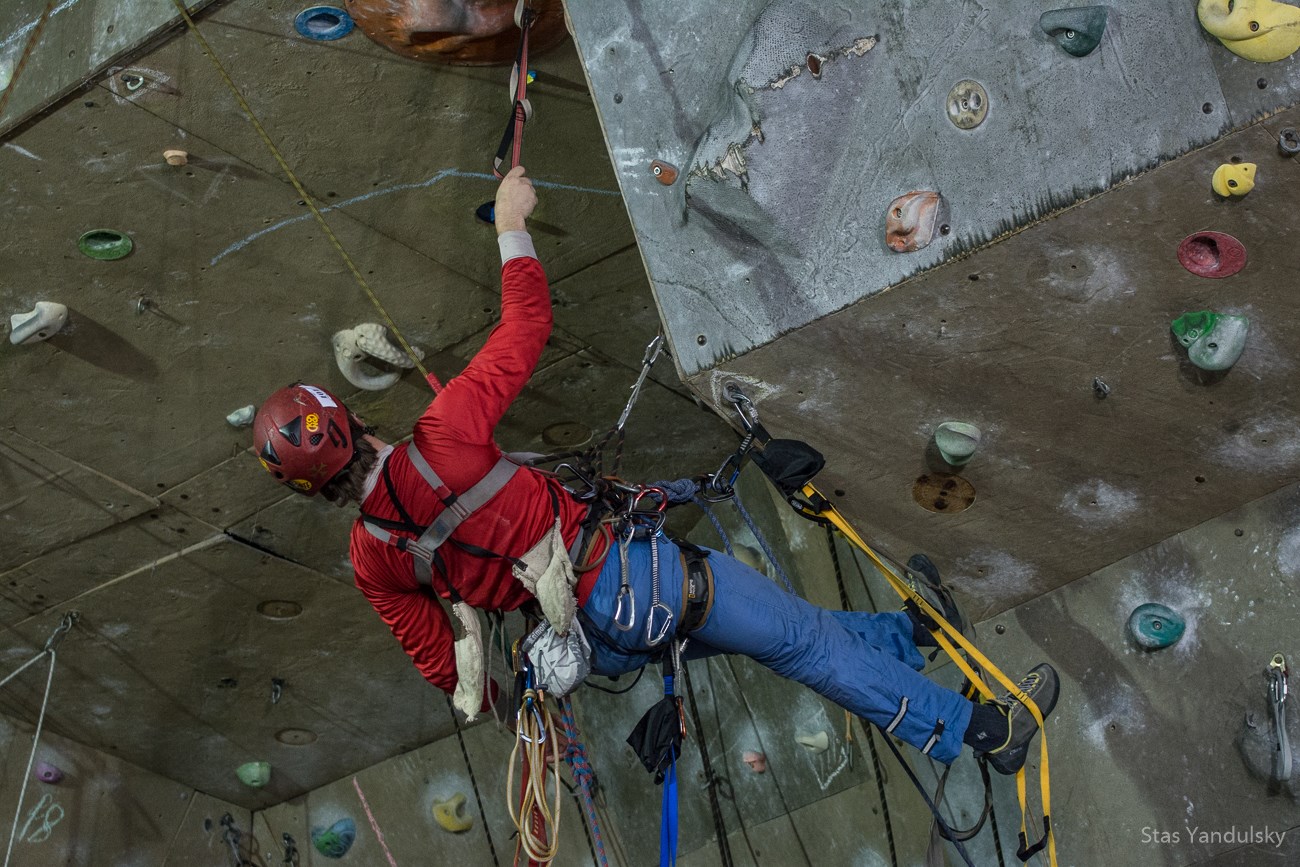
866,663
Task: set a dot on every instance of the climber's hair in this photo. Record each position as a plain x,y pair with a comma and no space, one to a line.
350,482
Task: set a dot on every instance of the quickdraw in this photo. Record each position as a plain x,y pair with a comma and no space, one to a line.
512,140
1278,689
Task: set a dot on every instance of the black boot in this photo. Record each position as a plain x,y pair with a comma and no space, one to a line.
930,586
1043,687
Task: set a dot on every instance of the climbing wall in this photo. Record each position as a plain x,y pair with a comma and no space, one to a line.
219,622
952,247
85,808
1032,297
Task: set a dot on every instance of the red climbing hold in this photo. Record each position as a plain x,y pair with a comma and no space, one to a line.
1212,254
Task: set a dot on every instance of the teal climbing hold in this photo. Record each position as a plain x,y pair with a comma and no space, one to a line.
1154,626
957,442
336,840
1078,31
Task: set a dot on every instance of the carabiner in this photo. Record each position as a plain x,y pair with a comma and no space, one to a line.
647,361
1278,687
744,406
653,637
625,593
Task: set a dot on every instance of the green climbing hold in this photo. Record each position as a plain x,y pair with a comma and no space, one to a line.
1155,626
254,774
336,840
1078,31
105,244
957,441
1214,341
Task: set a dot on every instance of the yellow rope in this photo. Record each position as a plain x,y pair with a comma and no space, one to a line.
27,53
830,513
534,733
302,191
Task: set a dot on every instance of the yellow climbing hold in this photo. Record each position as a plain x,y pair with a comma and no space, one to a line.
1234,179
1258,30
450,814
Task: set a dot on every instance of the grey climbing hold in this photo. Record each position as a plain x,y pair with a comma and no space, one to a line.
957,441
243,416
43,322
1078,31
368,341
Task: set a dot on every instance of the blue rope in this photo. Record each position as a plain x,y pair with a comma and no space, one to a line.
717,524
686,490
762,543
576,757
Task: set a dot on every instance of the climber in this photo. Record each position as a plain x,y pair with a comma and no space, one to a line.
868,663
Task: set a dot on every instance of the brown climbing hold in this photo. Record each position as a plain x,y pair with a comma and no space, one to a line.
1212,254
176,157
665,173
913,219
458,32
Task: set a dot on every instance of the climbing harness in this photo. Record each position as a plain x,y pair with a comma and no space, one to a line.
1278,689
791,464
521,110
305,197
64,627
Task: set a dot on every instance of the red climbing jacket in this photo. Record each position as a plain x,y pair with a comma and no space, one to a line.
455,437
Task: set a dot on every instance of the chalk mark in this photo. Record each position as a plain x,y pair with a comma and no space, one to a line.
31,25
397,188
22,150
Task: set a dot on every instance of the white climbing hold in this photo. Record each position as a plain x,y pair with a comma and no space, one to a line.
243,416
367,341
176,157
42,323
815,743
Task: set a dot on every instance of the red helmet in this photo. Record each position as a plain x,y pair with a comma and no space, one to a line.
303,437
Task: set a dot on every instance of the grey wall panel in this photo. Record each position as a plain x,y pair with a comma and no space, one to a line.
739,260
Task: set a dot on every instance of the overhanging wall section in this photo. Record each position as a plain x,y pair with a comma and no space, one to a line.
777,215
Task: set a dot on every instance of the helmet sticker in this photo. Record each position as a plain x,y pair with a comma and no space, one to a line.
318,470
300,484
313,422
320,395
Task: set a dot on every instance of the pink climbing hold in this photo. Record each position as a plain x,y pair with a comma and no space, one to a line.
47,773
1212,254
757,761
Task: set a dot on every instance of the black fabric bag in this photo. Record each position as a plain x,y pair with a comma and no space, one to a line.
790,464
657,738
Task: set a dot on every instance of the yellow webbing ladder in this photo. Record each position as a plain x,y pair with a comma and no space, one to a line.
820,508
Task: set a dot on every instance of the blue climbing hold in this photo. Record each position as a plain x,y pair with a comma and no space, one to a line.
1155,626
487,212
323,23
336,840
